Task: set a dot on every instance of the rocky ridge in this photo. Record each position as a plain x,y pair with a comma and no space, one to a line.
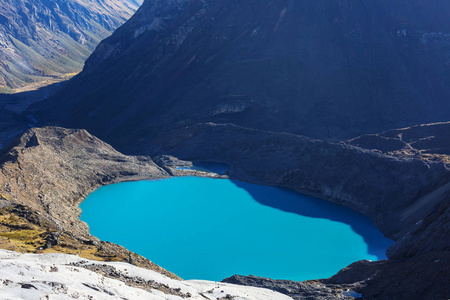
52,170
48,172
429,142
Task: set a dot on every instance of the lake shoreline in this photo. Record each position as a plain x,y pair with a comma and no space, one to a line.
290,221
77,163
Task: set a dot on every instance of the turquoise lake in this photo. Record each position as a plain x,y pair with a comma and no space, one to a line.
203,228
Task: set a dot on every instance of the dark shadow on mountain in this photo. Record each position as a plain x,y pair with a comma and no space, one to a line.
307,206
14,119
19,102
12,125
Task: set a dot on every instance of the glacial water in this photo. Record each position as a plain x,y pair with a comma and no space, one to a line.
203,228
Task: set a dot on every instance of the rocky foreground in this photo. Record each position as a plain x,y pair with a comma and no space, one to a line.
49,171
61,276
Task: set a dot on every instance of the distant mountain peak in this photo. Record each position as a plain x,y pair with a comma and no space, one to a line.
44,40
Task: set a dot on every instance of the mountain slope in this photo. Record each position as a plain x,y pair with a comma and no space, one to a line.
41,40
326,69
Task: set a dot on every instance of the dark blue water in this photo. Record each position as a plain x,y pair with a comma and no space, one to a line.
202,228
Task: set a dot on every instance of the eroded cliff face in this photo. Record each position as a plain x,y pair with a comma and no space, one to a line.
396,191
324,69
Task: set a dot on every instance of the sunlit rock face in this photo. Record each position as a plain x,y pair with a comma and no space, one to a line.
325,69
41,40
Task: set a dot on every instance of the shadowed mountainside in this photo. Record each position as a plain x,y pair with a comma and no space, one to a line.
430,141
406,193
325,69
395,191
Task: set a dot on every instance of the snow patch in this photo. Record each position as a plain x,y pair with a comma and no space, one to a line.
62,276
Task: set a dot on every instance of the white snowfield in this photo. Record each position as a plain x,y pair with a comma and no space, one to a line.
51,276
